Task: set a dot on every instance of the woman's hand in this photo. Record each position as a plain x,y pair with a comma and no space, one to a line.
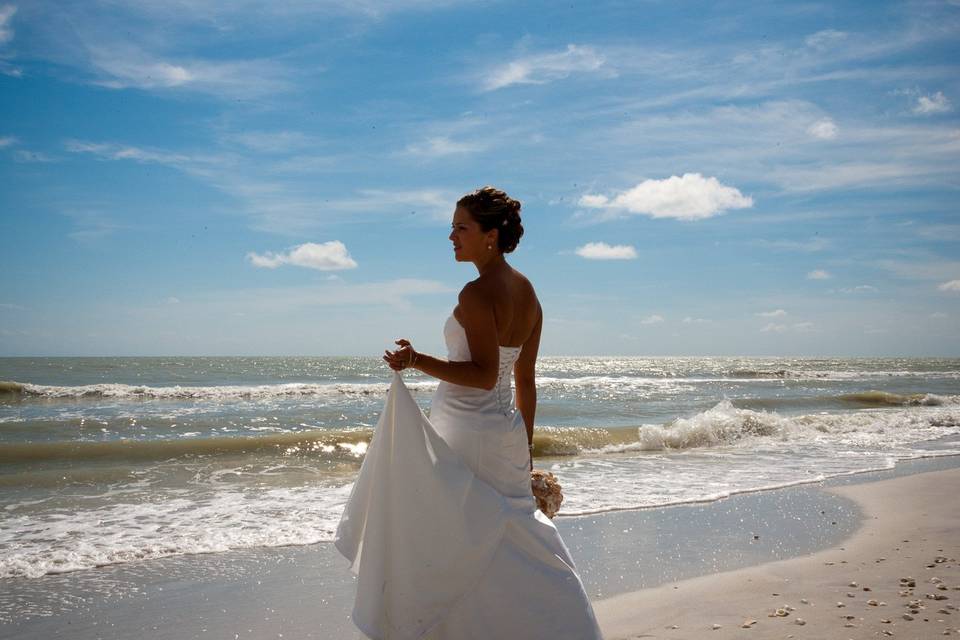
402,358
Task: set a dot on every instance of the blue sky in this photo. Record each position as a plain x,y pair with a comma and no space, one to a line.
208,177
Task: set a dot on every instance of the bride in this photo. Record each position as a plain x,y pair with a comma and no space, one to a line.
441,526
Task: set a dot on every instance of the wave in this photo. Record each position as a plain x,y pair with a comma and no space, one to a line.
724,424
886,398
622,385
25,390
758,373
328,443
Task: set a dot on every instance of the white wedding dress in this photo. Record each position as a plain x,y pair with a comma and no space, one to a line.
442,529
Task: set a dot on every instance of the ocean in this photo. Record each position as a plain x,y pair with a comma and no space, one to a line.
117,460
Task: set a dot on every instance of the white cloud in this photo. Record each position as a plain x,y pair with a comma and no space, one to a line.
777,313
772,327
860,288
953,285
692,320
604,251
12,307
825,39
544,67
6,16
686,197
936,103
818,274
6,141
939,315
802,326
173,300
654,319
328,256
825,129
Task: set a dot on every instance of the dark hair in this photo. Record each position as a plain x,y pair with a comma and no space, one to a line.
494,209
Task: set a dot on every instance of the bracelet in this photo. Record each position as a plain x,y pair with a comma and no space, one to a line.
413,359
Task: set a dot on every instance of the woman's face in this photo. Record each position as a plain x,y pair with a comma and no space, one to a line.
469,240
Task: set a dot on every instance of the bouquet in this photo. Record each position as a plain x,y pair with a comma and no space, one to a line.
547,491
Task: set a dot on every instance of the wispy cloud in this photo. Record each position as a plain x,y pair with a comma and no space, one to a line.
395,293
776,313
26,156
654,319
604,251
935,103
126,66
271,142
112,151
440,146
278,206
326,256
818,274
92,225
686,197
860,288
6,18
692,320
952,285
922,267
811,245
544,67
826,39
773,327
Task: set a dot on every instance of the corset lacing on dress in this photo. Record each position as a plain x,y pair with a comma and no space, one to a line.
508,355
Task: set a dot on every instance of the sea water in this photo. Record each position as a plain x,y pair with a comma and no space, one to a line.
112,460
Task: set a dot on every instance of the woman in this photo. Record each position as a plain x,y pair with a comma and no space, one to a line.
441,525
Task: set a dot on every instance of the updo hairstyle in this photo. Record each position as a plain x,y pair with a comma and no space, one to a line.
494,209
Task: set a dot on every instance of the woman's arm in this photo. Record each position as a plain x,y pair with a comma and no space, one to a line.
525,377
480,325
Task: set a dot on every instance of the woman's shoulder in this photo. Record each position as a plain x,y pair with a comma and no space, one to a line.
513,285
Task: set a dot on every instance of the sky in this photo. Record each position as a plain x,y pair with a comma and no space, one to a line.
228,177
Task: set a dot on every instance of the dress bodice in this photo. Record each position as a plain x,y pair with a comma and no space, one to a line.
500,397
483,425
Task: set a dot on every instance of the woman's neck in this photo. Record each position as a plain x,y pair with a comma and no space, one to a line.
490,264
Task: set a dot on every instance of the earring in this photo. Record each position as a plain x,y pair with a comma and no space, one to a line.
489,247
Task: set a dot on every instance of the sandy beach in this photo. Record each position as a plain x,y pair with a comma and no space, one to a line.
897,576
671,572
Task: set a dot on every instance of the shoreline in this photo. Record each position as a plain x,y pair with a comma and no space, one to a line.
905,553
307,591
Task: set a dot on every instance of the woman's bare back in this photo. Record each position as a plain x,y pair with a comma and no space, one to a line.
515,305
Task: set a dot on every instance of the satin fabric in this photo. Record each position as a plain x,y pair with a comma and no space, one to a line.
442,529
